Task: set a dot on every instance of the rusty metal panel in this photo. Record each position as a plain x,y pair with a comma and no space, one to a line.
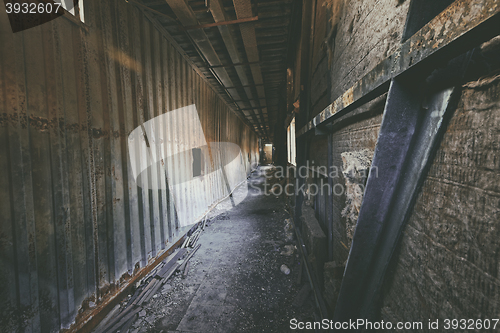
75,226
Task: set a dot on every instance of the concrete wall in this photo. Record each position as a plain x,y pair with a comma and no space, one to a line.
448,262
368,32
74,224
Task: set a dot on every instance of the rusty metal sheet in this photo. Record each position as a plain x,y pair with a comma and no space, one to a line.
76,228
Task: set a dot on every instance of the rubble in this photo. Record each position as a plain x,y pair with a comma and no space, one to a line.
147,288
289,250
284,269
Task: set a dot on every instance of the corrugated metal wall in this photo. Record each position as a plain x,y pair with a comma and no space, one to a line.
74,224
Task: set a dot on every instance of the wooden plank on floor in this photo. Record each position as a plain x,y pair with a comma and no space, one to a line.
171,262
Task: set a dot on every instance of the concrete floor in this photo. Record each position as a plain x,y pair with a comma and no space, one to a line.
234,282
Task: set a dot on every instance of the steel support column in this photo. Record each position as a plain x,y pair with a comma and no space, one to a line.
413,122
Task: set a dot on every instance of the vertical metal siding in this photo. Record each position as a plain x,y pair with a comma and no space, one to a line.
74,224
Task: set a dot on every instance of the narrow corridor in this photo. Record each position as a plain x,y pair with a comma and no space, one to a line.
234,283
249,166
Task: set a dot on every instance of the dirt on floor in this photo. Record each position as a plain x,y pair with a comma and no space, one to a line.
234,282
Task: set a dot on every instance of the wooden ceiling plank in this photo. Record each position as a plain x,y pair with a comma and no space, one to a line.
219,15
243,9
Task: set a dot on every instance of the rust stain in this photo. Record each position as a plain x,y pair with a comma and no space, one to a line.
348,97
38,123
98,133
335,106
112,294
124,59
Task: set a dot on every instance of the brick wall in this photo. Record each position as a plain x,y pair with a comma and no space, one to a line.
448,262
368,32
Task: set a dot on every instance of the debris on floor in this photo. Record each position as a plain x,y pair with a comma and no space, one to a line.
288,250
284,269
231,280
132,307
289,232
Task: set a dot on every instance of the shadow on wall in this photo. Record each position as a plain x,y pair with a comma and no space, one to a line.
160,152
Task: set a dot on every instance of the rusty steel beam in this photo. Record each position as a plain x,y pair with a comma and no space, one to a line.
216,24
462,25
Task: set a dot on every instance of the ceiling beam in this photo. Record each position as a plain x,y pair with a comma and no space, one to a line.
207,79
261,62
243,9
246,86
237,64
219,15
156,3
187,18
245,100
261,107
216,24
